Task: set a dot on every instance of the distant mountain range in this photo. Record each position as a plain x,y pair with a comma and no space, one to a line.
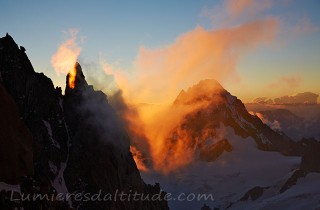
300,98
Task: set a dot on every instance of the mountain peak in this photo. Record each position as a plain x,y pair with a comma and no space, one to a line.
205,90
75,79
210,83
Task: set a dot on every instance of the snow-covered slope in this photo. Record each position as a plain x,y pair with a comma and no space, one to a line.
304,195
229,177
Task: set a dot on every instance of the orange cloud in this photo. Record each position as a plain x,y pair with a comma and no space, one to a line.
231,12
237,7
253,7
172,146
160,74
67,54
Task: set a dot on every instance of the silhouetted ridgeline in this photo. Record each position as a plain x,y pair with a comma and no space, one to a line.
53,144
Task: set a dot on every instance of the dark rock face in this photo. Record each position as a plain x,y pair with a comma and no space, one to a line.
99,156
86,152
40,109
16,142
39,105
310,160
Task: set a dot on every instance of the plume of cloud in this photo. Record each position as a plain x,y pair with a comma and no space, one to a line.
160,74
67,54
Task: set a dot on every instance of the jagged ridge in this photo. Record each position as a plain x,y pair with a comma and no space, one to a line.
53,121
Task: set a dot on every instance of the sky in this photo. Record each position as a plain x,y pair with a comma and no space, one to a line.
153,49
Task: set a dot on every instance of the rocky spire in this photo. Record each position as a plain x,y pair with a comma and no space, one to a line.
75,79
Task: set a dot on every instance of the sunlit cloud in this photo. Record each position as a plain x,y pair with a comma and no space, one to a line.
249,7
159,74
67,54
